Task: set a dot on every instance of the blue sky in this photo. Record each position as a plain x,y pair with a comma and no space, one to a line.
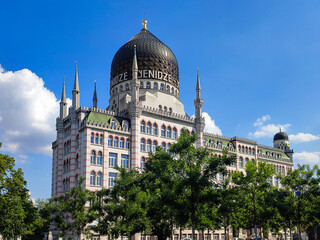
257,60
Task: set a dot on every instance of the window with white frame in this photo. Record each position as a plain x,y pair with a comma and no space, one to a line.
142,126
155,129
116,142
149,145
110,141
93,178
174,133
96,139
99,179
113,123
142,162
154,146
169,132
112,159
163,146
240,162
121,142
111,178
163,131
127,144
124,161
93,157
99,158
143,145
92,138
148,128
101,139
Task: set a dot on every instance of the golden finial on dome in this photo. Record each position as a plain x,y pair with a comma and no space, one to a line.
144,24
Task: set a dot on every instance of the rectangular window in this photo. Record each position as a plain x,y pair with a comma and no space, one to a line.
216,237
112,177
176,237
112,159
124,161
207,237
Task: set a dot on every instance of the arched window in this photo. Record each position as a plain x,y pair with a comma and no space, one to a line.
101,139
124,161
113,123
141,84
154,146
148,86
122,142
240,162
174,133
172,90
143,126
143,145
155,129
246,149
127,144
163,131
149,128
99,179
149,145
116,142
242,149
168,88
162,87
92,137
160,107
219,144
121,88
155,85
169,132
99,158
125,125
165,109
142,162
168,148
170,111
127,87
110,141
239,149
93,178
93,157
163,146
253,151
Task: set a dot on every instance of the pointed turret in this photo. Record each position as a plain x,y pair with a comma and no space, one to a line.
199,120
76,91
198,87
63,102
95,98
135,84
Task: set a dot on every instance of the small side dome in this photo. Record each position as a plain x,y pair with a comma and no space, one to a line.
280,136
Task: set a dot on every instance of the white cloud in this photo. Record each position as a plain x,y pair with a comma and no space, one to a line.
27,111
269,130
307,157
210,126
303,137
260,121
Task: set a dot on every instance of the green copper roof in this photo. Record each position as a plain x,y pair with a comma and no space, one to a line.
102,118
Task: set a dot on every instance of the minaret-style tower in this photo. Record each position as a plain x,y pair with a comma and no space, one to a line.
63,102
199,120
95,98
135,110
76,91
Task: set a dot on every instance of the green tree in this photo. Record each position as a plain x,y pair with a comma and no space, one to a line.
196,172
124,208
71,212
254,185
17,210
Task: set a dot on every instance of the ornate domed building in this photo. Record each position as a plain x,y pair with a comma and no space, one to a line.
144,112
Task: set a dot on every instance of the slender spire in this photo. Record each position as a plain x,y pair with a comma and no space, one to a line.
76,91
63,95
95,98
198,87
63,102
76,80
135,63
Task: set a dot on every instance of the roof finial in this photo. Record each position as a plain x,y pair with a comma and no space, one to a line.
144,24
280,129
